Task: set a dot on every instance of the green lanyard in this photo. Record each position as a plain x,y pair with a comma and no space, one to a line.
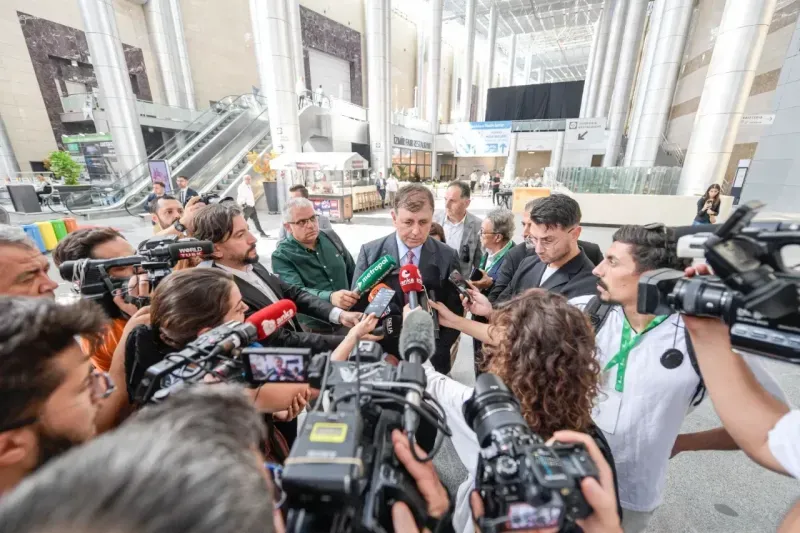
625,346
485,265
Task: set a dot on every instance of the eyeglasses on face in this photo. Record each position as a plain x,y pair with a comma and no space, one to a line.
304,223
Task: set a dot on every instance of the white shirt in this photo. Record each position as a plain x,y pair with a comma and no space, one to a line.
244,195
784,442
473,177
453,233
300,87
548,272
391,184
654,402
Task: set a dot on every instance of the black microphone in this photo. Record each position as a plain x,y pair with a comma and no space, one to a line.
390,327
417,344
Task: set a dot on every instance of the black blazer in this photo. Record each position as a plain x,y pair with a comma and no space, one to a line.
189,193
307,304
573,279
436,262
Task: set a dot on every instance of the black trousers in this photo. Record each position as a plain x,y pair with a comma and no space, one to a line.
250,212
494,196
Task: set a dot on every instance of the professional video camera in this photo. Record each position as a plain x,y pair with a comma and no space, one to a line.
754,290
214,198
95,278
342,474
524,483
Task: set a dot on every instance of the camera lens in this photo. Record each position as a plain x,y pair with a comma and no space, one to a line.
701,297
491,407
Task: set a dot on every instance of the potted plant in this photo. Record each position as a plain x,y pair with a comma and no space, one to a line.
261,165
401,172
63,167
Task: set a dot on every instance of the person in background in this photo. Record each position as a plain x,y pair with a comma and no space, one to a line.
158,191
300,89
708,206
246,199
170,217
485,179
323,222
23,268
380,183
497,230
391,189
315,261
495,187
461,228
437,232
318,94
184,192
45,190
473,180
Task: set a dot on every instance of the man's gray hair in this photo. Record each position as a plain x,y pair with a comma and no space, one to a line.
502,222
14,236
142,479
299,203
529,205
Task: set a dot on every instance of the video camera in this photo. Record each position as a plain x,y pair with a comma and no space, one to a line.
754,290
524,483
342,473
156,258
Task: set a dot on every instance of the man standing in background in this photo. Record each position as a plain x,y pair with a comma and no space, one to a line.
184,192
391,189
461,229
473,180
246,199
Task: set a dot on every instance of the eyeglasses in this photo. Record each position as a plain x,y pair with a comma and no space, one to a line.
481,232
305,222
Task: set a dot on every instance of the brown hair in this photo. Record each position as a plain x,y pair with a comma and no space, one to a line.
413,197
80,244
438,231
215,222
188,301
547,360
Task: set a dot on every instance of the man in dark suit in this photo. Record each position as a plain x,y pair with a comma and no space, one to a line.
412,215
235,252
184,192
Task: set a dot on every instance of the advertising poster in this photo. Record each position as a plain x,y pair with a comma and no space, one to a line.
159,172
482,139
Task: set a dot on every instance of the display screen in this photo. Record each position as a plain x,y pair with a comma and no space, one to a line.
277,368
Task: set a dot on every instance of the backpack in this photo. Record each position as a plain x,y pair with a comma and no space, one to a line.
598,313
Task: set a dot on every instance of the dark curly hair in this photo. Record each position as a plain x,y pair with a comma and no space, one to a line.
547,360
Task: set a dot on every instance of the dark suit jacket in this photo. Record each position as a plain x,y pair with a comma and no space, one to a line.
189,193
307,304
573,279
436,262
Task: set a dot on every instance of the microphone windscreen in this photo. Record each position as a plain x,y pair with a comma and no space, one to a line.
417,336
272,317
376,289
375,273
190,249
410,279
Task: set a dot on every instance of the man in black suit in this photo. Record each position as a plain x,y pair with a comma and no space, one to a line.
412,215
235,252
522,251
184,192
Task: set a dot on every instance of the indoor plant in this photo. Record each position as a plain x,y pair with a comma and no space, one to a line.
63,167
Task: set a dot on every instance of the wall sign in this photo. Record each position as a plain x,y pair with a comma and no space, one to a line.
482,139
411,143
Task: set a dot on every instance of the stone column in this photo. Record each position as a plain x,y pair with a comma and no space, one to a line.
113,79
612,58
296,29
512,60
469,60
421,100
604,27
387,24
489,75
8,161
558,152
378,107
184,69
590,67
434,77
737,51
510,172
629,56
161,29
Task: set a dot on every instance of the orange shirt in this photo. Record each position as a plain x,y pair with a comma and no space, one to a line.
102,355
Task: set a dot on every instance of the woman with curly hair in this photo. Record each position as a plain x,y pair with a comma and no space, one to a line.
543,350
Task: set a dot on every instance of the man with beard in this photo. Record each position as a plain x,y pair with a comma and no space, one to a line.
23,268
235,252
49,391
172,218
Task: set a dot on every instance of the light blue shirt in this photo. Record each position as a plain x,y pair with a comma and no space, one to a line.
402,251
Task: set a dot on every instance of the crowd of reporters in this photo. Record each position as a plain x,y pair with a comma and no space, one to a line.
78,452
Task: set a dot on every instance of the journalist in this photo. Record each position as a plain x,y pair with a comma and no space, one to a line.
23,267
650,380
554,377
50,393
235,253
314,260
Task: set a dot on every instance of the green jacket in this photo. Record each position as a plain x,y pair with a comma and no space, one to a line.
320,272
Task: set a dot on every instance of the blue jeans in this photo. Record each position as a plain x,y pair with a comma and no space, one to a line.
698,223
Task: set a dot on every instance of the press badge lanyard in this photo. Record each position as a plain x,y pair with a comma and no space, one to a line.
626,345
486,265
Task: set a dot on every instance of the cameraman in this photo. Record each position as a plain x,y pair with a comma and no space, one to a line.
554,377
762,425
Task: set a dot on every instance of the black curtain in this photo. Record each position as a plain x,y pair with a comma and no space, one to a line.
530,102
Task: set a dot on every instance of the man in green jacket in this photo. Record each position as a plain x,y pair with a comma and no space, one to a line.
314,260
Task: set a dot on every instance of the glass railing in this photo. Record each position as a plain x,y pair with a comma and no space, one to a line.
79,103
411,122
342,107
620,180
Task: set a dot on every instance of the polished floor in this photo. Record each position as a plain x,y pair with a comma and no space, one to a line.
707,492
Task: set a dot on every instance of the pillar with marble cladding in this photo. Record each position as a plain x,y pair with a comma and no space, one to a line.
184,70
387,24
510,172
434,77
114,82
611,61
488,78
558,152
296,29
160,29
377,106
740,40
421,97
604,27
590,67
8,161
469,59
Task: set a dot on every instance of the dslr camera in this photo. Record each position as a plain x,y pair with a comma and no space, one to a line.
524,484
755,290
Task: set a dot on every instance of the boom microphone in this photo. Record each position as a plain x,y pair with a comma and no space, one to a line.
272,317
417,344
375,273
411,284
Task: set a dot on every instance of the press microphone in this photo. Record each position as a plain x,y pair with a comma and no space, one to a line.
375,273
272,317
417,344
390,327
411,284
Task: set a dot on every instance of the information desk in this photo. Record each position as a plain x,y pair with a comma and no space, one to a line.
523,195
337,207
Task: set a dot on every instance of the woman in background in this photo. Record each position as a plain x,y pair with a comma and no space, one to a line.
437,232
708,206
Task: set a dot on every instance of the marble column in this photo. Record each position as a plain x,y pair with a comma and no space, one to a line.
270,19
377,106
557,154
184,70
387,24
488,78
590,67
114,82
620,101
737,51
297,41
612,57
434,77
421,99
510,172
8,161
160,29
512,59
604,27
469,60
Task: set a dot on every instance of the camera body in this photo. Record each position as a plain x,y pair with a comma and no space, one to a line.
524,483
754,290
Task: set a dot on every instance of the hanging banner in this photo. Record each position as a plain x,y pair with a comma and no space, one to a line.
159,173
482,139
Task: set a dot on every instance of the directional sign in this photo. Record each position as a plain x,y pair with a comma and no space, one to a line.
482,139
585,130
758,120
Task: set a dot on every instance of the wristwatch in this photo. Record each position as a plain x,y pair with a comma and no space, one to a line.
180,227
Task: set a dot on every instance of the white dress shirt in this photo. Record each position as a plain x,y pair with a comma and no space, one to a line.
454,233
784,442
244,195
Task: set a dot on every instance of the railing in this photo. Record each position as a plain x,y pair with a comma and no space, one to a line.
79,103
411,122
621,180
558,124
342,107
673,149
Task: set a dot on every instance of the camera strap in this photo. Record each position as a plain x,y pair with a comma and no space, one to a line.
627,344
